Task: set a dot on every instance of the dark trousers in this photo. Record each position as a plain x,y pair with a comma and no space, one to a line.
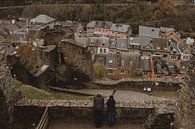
98,117
111,116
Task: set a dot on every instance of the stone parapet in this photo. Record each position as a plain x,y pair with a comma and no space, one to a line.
171,84
161,105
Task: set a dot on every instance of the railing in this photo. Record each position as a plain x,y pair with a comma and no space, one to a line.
44,120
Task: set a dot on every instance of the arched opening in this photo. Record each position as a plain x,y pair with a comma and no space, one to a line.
4,118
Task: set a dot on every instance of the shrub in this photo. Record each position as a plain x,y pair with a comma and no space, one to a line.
99,71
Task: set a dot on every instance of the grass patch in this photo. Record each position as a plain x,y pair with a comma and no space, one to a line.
35,93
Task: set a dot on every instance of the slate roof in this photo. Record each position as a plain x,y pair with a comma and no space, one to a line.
16,37
122,43
11,28
43,19
21,24
91,24
160,44
49,48
140,40
109,25
99,24
120,28
43,69
166,29
149,31
99,41
155,32
183,46
81,40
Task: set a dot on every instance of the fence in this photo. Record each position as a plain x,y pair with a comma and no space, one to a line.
44,120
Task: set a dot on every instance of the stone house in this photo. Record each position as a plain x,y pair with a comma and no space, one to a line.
48,55
108,29
157,54
81,63
44,21
185,50
154,52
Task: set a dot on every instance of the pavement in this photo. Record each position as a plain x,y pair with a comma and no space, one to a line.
130,96
77,125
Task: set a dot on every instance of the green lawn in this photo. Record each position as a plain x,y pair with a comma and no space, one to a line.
35,93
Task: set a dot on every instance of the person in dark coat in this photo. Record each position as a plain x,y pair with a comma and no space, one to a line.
111,111
98,110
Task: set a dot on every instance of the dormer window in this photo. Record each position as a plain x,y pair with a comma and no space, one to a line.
158,48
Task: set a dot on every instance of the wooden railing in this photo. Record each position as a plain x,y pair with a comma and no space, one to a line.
44,120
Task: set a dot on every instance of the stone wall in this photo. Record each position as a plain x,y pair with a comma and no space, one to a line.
131,112
184,116
22,119
77,58
8,90
154,115
185,113
128,115
158,84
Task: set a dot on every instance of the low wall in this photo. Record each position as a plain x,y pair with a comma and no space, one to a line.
85,114
128,115
27,117
156,84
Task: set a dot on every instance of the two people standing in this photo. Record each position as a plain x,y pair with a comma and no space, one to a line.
99,110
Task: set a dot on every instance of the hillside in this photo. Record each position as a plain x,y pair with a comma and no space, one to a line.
165,13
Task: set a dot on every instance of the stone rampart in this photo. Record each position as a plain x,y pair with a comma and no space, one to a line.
8,91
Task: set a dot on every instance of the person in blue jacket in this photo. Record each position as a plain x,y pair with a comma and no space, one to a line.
111,111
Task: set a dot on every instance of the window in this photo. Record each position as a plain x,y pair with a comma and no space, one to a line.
110,71
158,48
123,63
173,57
110,61
100,50
165,55
122,71
131,64
104,50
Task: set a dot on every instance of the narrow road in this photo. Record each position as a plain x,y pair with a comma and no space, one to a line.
69,125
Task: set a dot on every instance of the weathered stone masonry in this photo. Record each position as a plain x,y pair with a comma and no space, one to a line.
185,113
8,90
131,112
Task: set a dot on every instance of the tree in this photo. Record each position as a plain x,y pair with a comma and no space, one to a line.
99,71
164,9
